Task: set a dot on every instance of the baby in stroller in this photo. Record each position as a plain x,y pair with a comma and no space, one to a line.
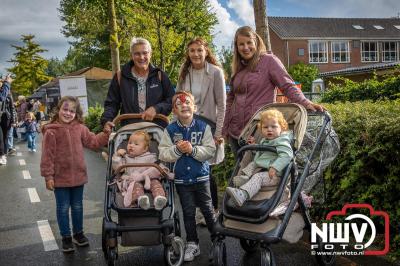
133,183
273,128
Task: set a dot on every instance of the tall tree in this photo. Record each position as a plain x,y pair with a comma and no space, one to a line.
29,67
114,45
225,56
168,25
261,20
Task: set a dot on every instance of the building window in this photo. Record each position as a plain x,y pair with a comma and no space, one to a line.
369,52
358,27
340,52
300,52
318,52
389,51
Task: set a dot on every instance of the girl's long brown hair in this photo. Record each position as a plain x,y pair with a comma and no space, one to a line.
78,111
237,61
210,57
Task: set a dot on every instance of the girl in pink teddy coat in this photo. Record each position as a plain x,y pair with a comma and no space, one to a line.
131,182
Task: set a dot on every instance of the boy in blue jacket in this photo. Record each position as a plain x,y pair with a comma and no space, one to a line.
189,143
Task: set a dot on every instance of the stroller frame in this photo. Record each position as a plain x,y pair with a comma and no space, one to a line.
169,218
250,241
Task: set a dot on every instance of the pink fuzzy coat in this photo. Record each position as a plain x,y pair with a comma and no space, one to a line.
62,152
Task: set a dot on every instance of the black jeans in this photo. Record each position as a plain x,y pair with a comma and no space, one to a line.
191,196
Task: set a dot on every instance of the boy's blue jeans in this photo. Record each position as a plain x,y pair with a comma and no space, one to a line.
67,197
191,196
31,137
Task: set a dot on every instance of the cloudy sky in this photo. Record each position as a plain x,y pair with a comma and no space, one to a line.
41,18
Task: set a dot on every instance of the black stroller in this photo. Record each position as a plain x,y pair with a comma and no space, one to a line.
135,226
252,223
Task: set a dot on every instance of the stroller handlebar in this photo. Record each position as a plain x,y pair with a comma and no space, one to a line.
162,172
122,117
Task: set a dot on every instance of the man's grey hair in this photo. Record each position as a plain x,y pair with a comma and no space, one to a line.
138,40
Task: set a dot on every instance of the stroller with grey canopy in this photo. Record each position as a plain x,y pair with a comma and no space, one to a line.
252,223
135,226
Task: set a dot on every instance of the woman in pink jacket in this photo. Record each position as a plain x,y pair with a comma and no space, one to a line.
255,75
63,165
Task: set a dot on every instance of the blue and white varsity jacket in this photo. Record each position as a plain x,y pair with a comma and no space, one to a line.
189,168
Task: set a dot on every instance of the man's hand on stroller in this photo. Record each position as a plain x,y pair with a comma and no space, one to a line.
108,127
149,114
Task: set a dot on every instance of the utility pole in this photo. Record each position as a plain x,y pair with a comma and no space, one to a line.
261,20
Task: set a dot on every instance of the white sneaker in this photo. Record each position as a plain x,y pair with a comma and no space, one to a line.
237,195
160,202
3,160
144,202
191,250
34,150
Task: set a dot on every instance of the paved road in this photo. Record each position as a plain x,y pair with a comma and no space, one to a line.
29,232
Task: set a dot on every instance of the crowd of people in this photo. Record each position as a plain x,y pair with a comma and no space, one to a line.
19,120
205,116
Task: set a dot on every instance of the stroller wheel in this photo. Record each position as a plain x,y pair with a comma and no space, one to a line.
177,224
173,254
219,253
111,256
324,258
104,240
266,257
250,246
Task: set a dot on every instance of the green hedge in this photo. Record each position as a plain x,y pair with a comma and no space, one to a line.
369,89
367,170
92,120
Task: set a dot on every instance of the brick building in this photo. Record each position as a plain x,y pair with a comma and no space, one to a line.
333,44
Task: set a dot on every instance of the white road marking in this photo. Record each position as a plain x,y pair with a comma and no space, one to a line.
19,154
22,162
26,174
33,195
49,242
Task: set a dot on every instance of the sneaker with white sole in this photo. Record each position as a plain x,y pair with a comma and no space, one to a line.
67,246
3,160
191,250
80,239
144,202
238,196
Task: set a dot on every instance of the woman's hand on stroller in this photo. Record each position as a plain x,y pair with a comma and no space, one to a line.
50,184
251,140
